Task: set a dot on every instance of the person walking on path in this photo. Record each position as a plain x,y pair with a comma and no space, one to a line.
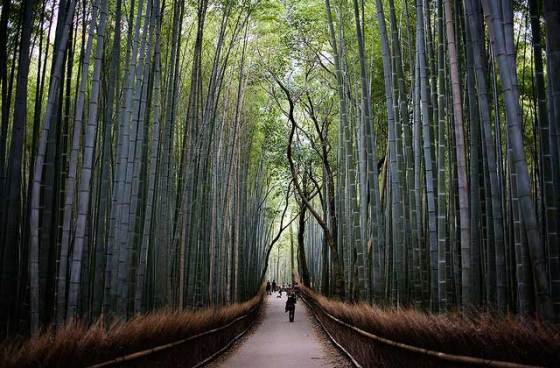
274,285
268,292
296,289
291,306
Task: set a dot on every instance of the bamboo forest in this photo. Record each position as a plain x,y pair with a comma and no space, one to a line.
172,156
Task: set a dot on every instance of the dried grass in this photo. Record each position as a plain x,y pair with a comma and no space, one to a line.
483,335
79,345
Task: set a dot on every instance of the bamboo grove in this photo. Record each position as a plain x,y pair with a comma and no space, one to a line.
153,153
441,191
130,174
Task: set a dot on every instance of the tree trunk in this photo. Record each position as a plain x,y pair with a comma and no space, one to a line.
498,38
464,215
12,233
87,168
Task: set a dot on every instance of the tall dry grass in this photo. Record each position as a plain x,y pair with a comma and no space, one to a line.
504,338
79,345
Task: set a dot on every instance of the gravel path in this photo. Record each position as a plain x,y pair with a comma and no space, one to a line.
275,342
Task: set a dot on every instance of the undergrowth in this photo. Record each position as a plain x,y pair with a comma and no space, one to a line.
80,345
483,335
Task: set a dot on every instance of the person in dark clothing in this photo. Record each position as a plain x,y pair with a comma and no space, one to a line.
273,285
268,292
291,306
296,289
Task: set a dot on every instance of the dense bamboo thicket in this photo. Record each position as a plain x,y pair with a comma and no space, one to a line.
152,153
439,186
130,172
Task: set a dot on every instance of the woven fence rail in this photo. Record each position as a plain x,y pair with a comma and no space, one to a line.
164,338
194,351
366,349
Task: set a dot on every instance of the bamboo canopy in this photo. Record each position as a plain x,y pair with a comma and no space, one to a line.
176,154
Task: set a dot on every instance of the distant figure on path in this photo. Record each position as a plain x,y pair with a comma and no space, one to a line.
273,285
268,292
291,306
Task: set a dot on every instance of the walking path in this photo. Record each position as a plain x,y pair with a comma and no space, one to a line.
275,342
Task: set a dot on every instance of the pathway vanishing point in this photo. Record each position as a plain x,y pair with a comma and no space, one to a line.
275,342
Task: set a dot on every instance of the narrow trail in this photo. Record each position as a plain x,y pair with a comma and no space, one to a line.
275,342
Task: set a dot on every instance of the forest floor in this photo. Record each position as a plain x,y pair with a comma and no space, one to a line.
275,342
